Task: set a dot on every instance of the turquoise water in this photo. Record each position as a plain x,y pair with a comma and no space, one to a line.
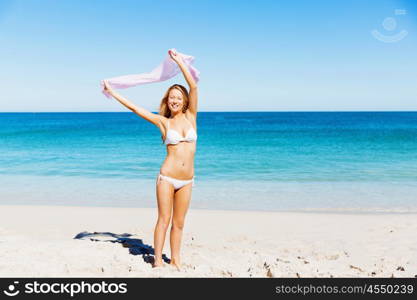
244,160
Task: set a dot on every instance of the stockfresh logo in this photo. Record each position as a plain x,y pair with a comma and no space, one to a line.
390,26
12,289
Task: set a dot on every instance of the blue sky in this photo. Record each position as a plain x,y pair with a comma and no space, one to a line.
253,55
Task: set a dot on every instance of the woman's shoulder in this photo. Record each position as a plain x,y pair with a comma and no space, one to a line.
163,122
190,116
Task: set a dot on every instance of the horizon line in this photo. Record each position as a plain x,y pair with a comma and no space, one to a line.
208,111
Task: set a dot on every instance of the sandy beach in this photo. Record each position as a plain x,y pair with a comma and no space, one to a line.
39,241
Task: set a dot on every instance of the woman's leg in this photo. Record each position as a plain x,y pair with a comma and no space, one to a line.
182,200
164,195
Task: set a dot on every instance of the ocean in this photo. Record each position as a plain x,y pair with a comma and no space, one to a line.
267,161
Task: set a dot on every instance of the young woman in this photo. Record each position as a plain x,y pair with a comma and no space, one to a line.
177,122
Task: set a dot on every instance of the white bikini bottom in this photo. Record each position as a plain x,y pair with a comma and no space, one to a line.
176,182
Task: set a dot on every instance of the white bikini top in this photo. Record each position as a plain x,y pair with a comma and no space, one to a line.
173,137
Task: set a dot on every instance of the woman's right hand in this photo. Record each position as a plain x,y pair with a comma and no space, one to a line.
107,87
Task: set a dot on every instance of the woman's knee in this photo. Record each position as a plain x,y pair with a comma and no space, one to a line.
164,221
177,224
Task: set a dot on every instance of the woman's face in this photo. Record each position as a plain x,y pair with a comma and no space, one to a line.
175,100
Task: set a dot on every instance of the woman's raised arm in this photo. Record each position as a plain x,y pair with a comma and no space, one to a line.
144,113
190,80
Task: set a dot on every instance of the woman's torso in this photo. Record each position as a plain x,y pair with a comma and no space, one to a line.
179,162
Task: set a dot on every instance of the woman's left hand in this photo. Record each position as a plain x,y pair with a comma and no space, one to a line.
174,55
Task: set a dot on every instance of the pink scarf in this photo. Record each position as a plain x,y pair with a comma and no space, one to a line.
166,70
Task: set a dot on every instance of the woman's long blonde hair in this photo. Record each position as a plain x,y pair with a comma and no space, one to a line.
163,107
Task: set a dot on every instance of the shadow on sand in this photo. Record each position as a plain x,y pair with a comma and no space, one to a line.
136,246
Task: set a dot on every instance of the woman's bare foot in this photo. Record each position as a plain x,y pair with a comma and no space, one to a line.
178,267
175,265
157,264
